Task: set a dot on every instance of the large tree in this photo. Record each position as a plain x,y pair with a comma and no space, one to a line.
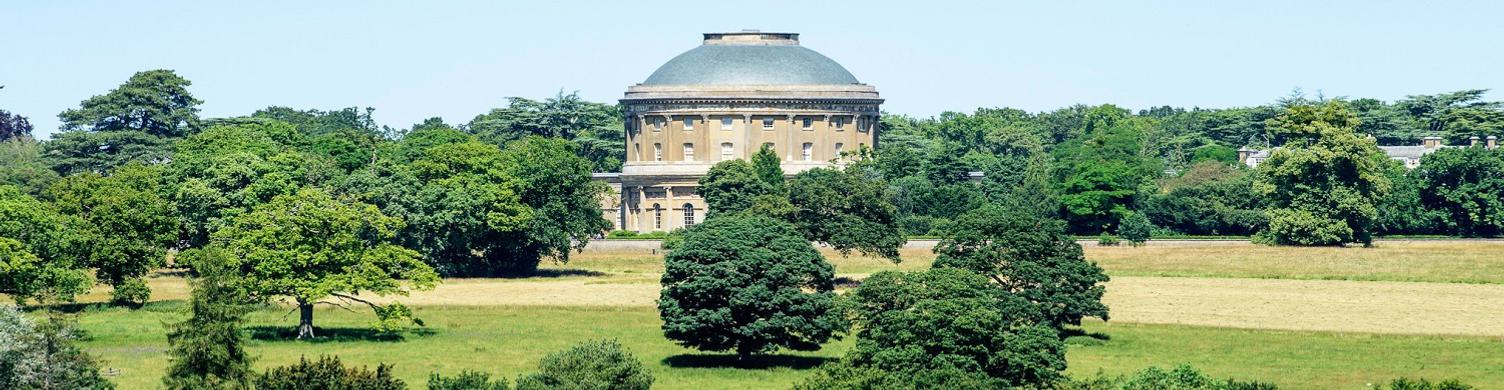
1457,115
310,246
750,284
13,127
1028,255
731,186
1322,185
595,128
556,184
42,254
132,122
23,165
945,328
846,209
129,226
1467,185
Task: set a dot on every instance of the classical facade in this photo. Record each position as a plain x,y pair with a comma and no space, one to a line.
1409,155
723,100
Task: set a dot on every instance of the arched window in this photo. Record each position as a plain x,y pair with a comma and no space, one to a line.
657,217
689,215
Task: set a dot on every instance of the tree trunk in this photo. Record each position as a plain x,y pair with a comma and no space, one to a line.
305,320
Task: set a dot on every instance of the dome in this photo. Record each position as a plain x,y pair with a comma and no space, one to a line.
751,58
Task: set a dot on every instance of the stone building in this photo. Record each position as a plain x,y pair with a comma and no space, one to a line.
724,100
1409,155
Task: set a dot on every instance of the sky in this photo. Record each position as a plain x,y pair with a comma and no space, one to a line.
413,60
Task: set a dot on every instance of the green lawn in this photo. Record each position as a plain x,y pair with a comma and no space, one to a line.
510,340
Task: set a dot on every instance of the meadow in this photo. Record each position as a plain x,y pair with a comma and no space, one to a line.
1303,318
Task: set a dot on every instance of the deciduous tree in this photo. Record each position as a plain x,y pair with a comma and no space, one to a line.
1322,185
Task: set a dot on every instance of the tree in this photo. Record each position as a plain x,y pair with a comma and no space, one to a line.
564,199
207,350
847,210
945,328
128,224
22,165
1136,228
13,127
1028,255
594,128
134,122
41,252
1100,173
720,286
1321,187
310,246
731,186
462,206
767,165
1457,115
44,355
1210,198
1465,185
595,364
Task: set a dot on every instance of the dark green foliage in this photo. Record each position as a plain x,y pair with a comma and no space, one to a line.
1456,115
328,373
72,152
128,226
1100,174
1182,377
353,122
718,286
1323,184
1465,185
591,365
22,165
944,328
594,128
42,251
1135,228
207,350
768,167
133,122
732,186
466,380
1214,153
1422,384
44,355
846,209
1029,255
13,127
1208,199
564,201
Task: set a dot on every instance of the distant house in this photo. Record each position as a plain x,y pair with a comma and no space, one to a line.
1407,154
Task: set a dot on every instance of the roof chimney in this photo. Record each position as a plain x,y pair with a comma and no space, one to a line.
1493,142
1430,142
1473,141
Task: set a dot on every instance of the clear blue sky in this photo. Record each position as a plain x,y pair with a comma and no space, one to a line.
412,60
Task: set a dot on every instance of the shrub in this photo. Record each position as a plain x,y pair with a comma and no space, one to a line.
328,374
466,380
1135,228
1299,227
43,355
1182,377
622,234
592,365
719,286
1108,240
1422,384
673,239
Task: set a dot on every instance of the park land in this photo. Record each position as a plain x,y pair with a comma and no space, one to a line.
1302,318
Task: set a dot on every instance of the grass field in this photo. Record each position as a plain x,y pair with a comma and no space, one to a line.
1302,318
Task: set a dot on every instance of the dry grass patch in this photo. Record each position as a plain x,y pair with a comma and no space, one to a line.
1416,261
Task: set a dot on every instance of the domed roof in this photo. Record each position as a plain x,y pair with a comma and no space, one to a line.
751,58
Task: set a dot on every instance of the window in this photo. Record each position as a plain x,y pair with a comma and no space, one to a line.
657,123
689,152
767,123
861,125
726,123
840,123
689,215
807,123
809,151
689,123
839,146
657,152
657,217
725,151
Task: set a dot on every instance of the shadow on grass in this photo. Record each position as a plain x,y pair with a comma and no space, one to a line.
731,361
1078,336
326,335
846,282
78,307
551,273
